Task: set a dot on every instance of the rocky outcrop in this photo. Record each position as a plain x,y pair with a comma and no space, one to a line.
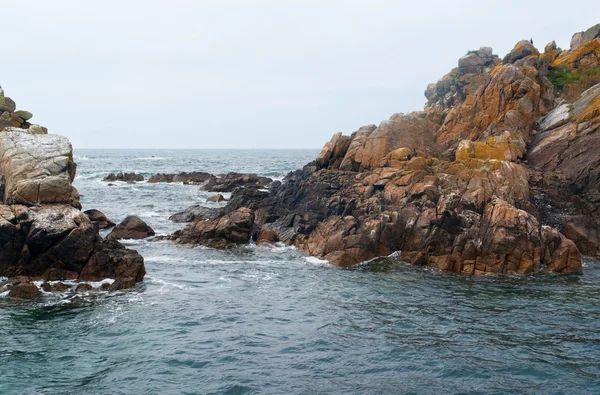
43,233
53,242
124,177
131,227
496,175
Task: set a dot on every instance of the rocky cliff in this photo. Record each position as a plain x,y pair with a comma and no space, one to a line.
43,233
498,174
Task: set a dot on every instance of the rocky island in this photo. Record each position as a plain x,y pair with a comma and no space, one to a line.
43,234
498,174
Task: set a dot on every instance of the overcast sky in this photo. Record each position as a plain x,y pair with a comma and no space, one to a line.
248,74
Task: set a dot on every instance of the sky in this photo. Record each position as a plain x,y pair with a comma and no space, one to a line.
248,74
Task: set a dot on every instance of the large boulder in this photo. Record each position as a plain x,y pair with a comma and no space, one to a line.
7,104
37,169
523,49
131,227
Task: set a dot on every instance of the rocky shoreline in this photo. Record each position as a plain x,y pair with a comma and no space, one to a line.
498,174
44,236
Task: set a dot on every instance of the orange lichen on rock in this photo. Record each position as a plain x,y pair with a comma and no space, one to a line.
586,55
496,147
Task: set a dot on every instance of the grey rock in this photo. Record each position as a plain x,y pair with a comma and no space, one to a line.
24,115
591,33
576,40
37,168
7,104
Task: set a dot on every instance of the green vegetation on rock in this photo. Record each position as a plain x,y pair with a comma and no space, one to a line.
571,83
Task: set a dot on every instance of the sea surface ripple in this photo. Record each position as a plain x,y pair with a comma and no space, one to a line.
270,320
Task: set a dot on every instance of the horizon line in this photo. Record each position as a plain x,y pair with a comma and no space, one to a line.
291,149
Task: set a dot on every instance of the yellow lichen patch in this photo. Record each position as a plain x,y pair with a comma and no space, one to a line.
497,147
569,59
592,110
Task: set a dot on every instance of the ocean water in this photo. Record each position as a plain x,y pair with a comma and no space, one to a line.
270,320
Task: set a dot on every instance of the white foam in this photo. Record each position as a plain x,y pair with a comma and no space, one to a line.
151,214
132,241
73,283
163,258
316,261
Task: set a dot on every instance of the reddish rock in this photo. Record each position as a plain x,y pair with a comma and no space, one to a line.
267,236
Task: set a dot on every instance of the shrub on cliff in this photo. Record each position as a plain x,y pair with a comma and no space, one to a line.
571,84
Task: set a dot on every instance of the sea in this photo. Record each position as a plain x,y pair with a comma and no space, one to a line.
272,320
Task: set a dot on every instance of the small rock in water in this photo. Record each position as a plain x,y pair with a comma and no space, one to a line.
216,198
132,227
83,287
24,291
